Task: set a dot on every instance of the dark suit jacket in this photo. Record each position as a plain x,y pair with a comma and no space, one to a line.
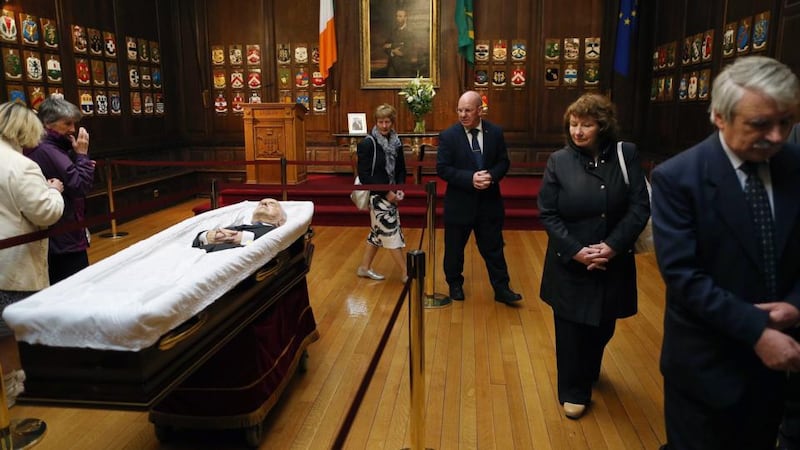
455,165
709,259
258,229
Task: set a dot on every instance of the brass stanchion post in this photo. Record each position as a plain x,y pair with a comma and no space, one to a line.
17,434
5,420
418,149
214,194
432,299
283,178
415,265
110,190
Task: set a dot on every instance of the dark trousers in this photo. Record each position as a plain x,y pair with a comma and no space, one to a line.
579,354
790,427
749,424
489,237
63,265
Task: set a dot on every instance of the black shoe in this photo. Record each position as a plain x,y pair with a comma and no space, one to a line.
506,295
786,443
457,292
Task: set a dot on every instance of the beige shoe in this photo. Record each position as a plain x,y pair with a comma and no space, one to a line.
15,385
368,273
574,410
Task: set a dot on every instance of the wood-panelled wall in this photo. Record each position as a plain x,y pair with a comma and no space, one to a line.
149,19
532,116
675,125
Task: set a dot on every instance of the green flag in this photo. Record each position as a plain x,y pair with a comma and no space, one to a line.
466,30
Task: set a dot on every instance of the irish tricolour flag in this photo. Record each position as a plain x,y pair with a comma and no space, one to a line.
327,37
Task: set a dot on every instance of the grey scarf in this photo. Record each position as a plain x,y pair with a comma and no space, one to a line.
390,147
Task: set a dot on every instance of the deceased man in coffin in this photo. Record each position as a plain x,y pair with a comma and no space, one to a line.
130,327
267,216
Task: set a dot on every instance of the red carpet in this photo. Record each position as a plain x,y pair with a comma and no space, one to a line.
332,206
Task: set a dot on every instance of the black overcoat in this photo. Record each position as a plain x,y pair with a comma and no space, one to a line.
583,202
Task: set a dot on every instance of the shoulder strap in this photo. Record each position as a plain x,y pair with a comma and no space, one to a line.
622,166
374,153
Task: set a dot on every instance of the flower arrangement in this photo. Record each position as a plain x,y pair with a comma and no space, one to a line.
419,95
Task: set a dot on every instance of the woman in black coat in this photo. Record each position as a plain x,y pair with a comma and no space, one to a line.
381,161
592,218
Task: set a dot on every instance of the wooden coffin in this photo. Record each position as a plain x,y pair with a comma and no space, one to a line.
139,379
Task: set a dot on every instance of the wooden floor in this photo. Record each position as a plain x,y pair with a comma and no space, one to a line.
490,369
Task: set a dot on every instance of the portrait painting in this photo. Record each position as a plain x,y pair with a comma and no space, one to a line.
398,42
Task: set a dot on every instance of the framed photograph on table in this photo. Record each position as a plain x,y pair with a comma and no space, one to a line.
357,123
398,42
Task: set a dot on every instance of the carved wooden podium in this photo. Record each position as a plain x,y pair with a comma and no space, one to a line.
273,131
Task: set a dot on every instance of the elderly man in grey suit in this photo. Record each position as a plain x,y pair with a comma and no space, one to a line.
726,223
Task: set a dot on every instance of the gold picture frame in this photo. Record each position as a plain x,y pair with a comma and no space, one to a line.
391,55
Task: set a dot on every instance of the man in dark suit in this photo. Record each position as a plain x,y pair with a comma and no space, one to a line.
267,216
726,223
472,158
794,135
789,436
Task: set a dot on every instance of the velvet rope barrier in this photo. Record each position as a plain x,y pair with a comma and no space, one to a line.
146,206
646,164
358,399
96,220
161,202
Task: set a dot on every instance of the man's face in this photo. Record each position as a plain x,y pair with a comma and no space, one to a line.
400,17
63,126
268,211
758,127
469,111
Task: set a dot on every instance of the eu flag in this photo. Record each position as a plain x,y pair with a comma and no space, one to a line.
466,30
626,32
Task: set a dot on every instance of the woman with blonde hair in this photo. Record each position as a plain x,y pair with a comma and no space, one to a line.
381,161
28,203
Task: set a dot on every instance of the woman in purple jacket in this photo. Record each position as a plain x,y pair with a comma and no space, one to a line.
62,155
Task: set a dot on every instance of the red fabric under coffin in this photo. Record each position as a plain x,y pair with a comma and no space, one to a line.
248,375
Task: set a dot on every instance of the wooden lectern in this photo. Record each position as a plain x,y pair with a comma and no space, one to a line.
273,131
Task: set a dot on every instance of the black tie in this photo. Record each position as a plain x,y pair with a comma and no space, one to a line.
476,148
760,209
